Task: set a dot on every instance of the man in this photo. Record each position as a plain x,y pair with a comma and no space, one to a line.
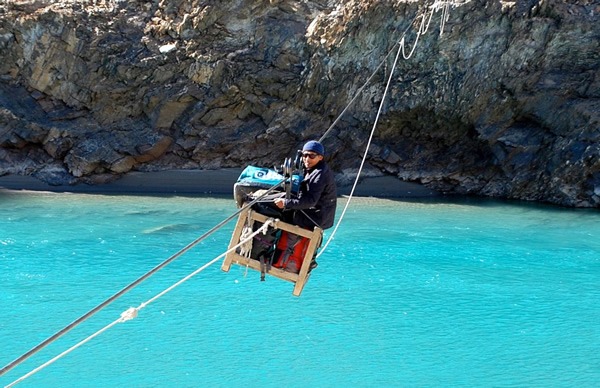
313,206
317,197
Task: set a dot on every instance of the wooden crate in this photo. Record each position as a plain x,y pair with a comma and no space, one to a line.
298,279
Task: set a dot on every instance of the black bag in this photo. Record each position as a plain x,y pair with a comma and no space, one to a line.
263,245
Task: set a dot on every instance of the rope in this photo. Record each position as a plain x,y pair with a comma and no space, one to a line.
246,249
132,312
76,322
423,27
437,5
364,158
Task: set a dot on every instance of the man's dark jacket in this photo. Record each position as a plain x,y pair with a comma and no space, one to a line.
317,198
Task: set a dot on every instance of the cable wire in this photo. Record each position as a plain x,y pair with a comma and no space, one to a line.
130,286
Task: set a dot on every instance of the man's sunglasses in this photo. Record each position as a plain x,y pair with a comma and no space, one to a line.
310,156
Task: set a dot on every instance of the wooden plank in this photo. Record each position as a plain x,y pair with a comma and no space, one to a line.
283,225
235,239
315,242
255,265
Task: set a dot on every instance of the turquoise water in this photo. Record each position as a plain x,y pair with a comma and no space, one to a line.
410,293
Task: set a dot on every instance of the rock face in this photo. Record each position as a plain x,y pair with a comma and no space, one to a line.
498,99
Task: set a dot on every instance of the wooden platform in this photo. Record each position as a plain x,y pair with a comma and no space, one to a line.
298,279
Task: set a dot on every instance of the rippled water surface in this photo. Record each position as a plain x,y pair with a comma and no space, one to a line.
409,293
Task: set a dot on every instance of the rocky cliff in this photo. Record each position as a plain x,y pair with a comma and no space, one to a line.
499,98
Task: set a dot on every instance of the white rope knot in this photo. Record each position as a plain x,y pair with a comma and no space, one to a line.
246,247
268,223
129,314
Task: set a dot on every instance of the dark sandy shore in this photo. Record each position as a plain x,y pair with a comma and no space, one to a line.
198,182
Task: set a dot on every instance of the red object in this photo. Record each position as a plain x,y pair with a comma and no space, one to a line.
295,260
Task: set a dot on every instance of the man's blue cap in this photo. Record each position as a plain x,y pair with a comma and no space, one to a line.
314,146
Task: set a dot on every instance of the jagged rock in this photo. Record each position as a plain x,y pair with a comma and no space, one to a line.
502,99
55,175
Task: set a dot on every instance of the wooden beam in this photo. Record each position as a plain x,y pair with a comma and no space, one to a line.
235,239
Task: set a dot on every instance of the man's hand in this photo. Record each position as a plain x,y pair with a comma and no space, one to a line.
279,202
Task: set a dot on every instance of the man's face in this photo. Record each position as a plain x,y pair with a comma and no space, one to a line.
311,159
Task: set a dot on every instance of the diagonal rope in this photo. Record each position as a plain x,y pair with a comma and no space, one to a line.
133,284
423,27
132,312
435,7
364,158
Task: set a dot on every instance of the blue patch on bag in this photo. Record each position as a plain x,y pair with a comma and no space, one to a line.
261,177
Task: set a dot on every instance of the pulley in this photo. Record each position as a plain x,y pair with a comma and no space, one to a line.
288,171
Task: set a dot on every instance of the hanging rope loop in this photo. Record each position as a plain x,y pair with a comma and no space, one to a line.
423,27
